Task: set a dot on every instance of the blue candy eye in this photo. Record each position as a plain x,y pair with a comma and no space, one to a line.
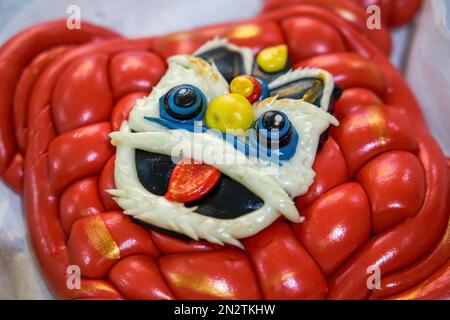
275,135
274,126
183,103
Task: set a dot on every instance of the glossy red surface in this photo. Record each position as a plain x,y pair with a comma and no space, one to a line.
380,197
336,224
190,181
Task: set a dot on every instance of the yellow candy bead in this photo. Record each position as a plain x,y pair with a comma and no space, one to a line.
273,59
229,112
241,85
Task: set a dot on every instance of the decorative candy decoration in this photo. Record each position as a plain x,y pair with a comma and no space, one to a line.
231,60
273,59
265,89
190,181
259,74
312,85
183,103
228,200
229,112
248,87
275,125
276,134
241,202
309,90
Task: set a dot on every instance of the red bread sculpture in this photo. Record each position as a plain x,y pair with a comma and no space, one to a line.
379,198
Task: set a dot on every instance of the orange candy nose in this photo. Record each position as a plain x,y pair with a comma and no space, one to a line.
246,86
190,181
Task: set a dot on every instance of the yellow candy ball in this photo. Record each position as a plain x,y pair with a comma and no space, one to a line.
229,112
241,85
273,59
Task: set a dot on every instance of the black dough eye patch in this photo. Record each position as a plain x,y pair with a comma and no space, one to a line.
310,89
229,63
227,200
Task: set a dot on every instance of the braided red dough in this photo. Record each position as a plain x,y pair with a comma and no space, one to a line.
380,196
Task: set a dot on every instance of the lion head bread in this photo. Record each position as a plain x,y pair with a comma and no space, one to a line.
250,194
282,157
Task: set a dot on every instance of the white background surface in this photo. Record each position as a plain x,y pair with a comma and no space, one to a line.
19,277
428,68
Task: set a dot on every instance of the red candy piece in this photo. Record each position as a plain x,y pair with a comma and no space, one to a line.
190,181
